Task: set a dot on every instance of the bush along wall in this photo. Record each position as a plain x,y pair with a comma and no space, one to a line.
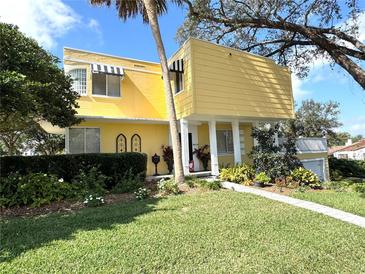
341,168
113,165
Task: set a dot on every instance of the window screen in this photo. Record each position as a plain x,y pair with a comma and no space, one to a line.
113,85
224,141
179,82
92,140
76,140
99,84
84,140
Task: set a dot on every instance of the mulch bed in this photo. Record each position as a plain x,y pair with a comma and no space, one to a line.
61,206
71,206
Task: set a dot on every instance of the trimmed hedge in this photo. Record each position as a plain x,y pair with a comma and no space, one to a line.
346,168
68,166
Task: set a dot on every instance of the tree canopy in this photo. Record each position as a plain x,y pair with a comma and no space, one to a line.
32,87
294,33
315,119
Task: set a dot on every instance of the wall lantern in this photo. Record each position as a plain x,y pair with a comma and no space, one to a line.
156,160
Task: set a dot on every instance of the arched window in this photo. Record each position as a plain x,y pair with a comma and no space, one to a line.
121,143
136,144
79,80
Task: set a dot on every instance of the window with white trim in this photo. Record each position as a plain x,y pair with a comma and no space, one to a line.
106,85
84,140
78,80
179,82
224,141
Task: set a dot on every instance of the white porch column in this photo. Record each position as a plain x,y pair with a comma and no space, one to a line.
184,129
213,148
236,141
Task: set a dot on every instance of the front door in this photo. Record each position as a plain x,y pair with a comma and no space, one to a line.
190,137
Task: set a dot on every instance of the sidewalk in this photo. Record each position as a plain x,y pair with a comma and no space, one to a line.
329,211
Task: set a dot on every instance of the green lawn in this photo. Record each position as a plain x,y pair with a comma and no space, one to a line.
351,202
212,232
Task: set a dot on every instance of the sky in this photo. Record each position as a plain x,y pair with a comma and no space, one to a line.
75,23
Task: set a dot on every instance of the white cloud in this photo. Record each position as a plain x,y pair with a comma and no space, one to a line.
44,20
298,90
355,126
95,26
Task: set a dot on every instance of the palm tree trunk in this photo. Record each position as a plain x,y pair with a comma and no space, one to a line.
153,21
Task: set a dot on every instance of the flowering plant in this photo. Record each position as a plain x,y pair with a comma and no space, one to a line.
168,186
142,193
94,200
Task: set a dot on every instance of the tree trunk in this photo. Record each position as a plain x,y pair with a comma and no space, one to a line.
153,21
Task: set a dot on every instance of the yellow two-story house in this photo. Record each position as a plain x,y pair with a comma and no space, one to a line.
220,93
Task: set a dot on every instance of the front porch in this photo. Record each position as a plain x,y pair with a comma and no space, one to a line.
229,140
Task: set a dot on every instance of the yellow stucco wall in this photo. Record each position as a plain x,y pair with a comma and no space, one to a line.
236,83
141,89
153,136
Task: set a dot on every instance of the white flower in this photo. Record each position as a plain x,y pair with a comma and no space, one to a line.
61,180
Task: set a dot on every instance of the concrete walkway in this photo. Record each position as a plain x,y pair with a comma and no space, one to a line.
329,211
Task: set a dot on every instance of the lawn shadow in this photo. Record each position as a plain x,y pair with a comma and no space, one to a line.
18,235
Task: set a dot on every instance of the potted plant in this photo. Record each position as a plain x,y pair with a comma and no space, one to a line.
261,179
168,157
203,155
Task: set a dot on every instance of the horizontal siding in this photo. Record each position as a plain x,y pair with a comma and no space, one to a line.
239,84
184,99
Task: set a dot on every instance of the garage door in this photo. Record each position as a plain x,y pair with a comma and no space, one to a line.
316,166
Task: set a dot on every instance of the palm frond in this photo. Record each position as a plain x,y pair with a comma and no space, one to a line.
132,8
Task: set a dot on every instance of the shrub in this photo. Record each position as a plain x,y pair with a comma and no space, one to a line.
274,159
203,154
68,166
142,193
90,181
305,177
168,186
262,178
93,200
190,181
34,189
238,174
360,187
128,182
340,168
211,185
339,186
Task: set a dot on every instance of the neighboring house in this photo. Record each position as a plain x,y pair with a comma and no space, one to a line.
220,94
353,151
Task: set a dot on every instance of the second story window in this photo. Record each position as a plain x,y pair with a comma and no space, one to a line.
106,85
179,82
78,80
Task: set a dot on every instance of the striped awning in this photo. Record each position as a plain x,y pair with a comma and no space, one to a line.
177,66
107,69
